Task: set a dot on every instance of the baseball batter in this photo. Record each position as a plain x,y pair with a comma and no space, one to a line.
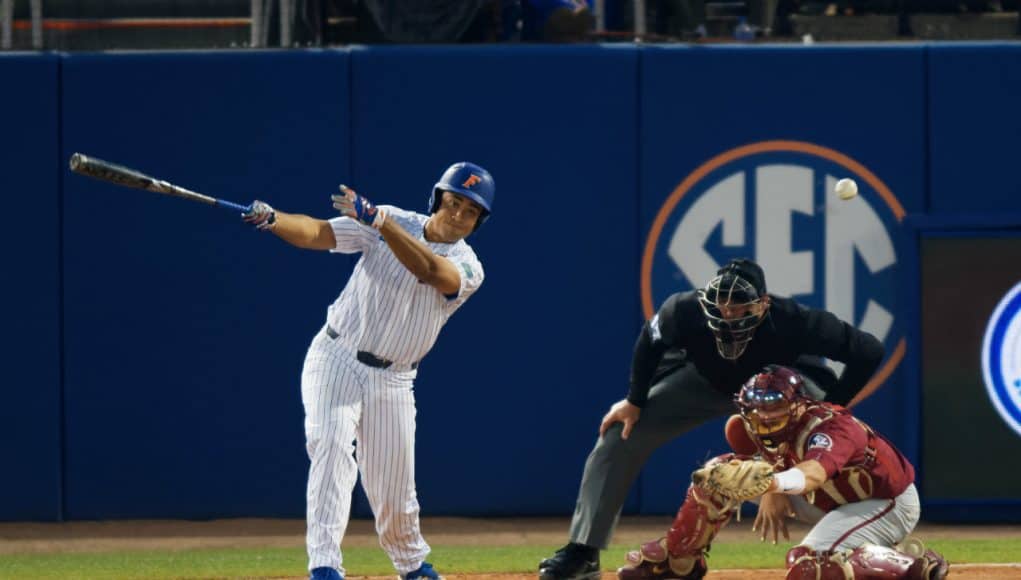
688,361
356,386
816,462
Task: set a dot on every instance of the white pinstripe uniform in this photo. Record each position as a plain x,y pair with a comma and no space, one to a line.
386,311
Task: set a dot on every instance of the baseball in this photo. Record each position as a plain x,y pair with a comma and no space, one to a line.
846,188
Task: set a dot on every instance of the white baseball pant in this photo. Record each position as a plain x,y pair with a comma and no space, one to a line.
346,402
883,522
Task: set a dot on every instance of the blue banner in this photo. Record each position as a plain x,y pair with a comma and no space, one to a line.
30,412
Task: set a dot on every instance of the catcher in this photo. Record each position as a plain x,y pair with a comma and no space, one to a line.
807,459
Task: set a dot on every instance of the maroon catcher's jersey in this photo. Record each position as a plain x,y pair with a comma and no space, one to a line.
859,463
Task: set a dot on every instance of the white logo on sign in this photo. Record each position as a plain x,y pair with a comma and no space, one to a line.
853,230
1001,358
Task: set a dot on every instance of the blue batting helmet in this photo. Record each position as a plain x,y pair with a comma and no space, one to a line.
469,180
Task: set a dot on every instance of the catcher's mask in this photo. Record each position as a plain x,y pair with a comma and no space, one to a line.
770,403
469,180
735,303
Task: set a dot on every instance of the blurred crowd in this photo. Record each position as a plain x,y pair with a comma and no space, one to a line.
109,24
581,20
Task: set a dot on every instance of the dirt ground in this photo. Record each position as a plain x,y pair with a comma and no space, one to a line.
177,535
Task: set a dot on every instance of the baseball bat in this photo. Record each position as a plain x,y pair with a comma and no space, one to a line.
120,175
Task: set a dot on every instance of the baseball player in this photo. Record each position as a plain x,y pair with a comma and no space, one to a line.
689,358
817,463
356,386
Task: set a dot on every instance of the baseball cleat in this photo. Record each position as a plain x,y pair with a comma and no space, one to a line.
424,572
929,564
653,562
936,567
572,562
661,571
324,573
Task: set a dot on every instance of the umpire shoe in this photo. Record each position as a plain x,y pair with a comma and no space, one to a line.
572,562
424,572
324,573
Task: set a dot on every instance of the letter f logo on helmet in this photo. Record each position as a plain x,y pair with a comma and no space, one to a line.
469,180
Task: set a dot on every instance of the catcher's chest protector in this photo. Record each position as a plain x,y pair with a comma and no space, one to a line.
853,483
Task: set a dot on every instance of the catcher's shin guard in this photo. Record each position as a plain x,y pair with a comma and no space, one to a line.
879,561
681,555
701,516
804,563
865,562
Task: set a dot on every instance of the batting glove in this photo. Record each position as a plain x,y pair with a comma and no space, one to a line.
355,206
260,215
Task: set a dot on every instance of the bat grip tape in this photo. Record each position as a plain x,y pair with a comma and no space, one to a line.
232,205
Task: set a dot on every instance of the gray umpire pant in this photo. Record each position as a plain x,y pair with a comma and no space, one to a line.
679,402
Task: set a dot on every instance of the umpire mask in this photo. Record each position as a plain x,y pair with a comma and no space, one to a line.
734,304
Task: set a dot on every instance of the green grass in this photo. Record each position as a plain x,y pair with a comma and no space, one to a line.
277,562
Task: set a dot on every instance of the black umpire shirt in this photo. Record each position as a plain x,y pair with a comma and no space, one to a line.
789,331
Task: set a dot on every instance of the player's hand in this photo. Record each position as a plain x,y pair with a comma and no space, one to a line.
621,412
774,509
355,206
260,215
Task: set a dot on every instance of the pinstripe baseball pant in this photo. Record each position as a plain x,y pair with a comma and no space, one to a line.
347,402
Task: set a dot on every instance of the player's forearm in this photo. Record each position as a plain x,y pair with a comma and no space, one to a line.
804,477
419,259
815,474
304,231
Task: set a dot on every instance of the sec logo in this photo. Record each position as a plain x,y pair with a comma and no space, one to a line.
1001,358
773,201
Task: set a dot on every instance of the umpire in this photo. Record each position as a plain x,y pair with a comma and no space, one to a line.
690,359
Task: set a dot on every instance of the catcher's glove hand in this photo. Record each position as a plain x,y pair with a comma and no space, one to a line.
735,479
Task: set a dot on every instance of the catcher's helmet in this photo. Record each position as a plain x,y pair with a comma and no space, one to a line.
469,180
729,302
769,402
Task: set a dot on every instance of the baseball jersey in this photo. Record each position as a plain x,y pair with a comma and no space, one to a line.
789,331
384,309
860,464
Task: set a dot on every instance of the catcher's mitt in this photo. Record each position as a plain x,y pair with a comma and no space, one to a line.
735,479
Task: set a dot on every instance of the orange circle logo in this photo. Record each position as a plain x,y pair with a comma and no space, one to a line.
773,201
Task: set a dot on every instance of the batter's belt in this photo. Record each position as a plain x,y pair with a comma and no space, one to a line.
368,359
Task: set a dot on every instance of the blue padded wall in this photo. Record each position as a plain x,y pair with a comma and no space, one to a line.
781,121
511,396
186,329
974,127
30,430
156,345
